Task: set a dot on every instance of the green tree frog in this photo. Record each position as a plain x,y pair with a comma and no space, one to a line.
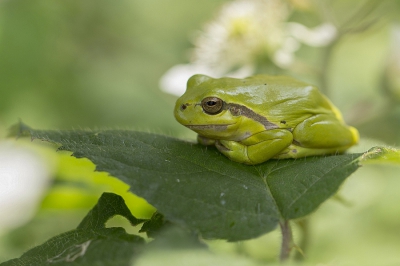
261,117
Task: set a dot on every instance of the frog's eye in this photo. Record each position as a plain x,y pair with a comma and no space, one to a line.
212,105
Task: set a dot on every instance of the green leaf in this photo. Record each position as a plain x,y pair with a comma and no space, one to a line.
300,186
91,243
107,207
381,155
200,189
154,225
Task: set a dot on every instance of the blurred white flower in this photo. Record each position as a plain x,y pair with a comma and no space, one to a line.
284,57
296,34
244,33
175,79
321,35
230,45
24,177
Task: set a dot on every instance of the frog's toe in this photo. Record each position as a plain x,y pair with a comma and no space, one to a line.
221,147
233,150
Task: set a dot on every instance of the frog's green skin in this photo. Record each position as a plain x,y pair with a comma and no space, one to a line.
261,117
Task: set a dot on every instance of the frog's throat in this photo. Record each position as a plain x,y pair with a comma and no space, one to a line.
238,110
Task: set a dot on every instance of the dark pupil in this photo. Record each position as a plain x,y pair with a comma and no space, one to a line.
211,103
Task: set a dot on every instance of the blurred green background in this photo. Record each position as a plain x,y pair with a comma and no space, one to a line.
97,64
91,63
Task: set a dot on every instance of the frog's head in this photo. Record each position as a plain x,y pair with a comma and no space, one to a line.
206,109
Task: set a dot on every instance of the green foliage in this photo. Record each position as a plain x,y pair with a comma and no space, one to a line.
92,55
300,186
107,207
91,243
154,225
70,63
199,188
193,186
382,155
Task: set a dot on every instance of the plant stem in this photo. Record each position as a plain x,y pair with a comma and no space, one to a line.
325,60
286,240
353,24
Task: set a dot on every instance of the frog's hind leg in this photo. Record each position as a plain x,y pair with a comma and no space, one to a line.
294,151
324,132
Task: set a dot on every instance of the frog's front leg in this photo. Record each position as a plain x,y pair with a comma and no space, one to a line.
257,148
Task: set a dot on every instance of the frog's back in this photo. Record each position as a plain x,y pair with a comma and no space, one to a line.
282,98
277,98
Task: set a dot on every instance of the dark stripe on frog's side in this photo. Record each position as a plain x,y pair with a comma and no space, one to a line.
237,110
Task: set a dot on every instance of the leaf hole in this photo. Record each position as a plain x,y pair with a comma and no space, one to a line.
121,221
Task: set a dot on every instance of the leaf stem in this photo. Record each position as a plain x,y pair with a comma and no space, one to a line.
286,241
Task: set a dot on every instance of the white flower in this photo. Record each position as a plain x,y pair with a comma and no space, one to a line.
321,35
284,57
24,178
175,79
229,45
297,33
242,31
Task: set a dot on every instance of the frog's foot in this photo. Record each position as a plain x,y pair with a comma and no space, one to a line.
257,148
205,141
233,150
294,151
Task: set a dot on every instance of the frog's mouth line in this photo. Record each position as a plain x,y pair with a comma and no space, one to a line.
213,127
